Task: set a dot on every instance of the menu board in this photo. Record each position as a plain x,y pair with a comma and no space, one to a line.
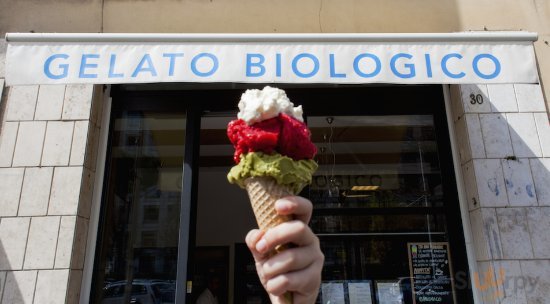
431,273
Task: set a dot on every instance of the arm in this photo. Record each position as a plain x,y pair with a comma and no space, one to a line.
297,269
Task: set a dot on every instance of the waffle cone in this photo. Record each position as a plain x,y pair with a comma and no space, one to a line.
263,193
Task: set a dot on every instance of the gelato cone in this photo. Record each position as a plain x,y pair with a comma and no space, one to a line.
263,192
273,154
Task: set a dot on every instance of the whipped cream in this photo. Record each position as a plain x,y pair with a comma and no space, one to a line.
257,105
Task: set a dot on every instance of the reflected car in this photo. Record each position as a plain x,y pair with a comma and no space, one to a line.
143,292
167,290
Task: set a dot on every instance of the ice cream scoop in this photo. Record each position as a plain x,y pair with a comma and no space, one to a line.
282,134
257,105
295,175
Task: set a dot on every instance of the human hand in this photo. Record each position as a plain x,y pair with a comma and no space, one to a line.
296,269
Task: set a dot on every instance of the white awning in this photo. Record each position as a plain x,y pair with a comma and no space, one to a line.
472,57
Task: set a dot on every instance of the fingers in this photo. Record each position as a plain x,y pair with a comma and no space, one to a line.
296,269
290,260
251,240
298,206
293,232
304,281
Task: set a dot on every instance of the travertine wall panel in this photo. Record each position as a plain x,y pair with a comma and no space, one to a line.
541,176
65,242
47,169
7,143
78,149
529,97
2,281
25,106
78,102
40,251
29,144
19,287
490,183
525,138
65,191
506,175
50,102
57,144
502,98
538,219
543,128
35,194
496,136
519,182
46,279
537,280
10,189
13,237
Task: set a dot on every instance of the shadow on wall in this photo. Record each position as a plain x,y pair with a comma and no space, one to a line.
10,281
508,174
512,126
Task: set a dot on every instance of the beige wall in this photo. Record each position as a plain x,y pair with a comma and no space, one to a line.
283,16
273,16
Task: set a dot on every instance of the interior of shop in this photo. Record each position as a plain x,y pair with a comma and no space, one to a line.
383,192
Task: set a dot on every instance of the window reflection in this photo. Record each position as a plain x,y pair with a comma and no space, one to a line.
137,254
376,161
378,188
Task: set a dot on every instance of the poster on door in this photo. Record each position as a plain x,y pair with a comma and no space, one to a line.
431,273
347,292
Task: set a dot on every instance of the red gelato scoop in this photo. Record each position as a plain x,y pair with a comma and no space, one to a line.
282,134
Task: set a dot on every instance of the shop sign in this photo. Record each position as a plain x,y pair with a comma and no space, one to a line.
431,273
267,62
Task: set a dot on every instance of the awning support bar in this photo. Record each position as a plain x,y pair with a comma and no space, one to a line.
504,36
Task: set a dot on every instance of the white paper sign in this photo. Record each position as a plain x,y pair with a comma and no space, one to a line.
268,62
389,293
333,293
359,293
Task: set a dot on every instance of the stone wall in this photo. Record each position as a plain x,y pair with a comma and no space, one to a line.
503,135
48,139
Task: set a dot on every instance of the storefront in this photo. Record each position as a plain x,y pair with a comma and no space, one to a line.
394,201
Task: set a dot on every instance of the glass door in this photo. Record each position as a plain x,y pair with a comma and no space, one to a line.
378,189
385,202
137,254
223,216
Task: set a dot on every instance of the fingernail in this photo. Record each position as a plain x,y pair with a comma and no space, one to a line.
281,205
261,245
